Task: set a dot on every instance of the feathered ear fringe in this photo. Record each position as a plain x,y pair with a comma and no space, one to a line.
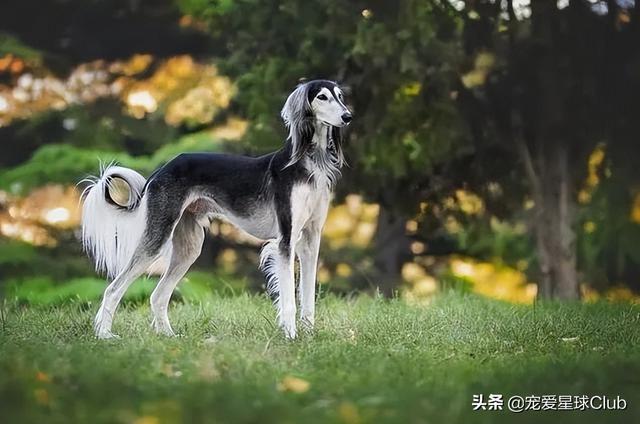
337,135
298,118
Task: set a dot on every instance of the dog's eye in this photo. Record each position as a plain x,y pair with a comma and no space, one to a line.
322,97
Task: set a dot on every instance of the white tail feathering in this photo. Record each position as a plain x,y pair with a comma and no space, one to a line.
268,258
111,232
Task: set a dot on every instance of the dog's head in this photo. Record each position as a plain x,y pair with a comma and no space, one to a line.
327,103
318,102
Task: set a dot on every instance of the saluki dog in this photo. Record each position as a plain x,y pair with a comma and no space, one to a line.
281,197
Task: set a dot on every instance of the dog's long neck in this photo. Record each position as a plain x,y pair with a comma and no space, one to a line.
324,158
321,136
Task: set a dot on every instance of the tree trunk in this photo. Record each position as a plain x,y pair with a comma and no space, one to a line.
549,170
553,226
391,250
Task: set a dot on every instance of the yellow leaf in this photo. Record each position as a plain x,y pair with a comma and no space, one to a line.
147,419
349,413
635,209
42,377
343,270
412,89
485,60
294,385
42,396
474,78
412,272
589,227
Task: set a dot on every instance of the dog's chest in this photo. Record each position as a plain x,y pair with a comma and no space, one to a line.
308,201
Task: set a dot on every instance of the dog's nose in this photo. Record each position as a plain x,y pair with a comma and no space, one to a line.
346,117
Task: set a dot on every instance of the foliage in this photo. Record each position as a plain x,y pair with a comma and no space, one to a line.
10,45
197,286
369,361
398,60
553,88
609,235
19,254
19,260
446,95
65,163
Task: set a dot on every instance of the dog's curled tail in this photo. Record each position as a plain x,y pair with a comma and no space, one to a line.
113,217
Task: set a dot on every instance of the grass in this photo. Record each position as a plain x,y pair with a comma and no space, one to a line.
369,361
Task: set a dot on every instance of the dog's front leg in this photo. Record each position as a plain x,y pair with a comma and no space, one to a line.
307,251
286,289
290,224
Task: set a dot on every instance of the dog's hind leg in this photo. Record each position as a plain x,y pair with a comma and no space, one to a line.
147,251
138,264
187,240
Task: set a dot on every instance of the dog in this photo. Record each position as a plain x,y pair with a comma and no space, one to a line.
281,198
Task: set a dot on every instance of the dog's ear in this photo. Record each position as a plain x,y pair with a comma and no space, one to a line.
298,118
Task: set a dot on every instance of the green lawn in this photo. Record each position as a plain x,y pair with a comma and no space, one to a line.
369,361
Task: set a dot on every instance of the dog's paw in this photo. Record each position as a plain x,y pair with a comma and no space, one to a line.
106,335
307,327
163,329
307,324
289,331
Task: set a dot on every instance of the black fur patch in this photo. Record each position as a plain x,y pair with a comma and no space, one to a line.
317,85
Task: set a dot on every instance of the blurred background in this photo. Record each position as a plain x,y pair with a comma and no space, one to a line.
494,147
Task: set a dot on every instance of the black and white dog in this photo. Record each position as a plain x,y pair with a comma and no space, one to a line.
281,197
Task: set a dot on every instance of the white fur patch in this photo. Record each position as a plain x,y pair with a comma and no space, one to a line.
111,234
268,258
